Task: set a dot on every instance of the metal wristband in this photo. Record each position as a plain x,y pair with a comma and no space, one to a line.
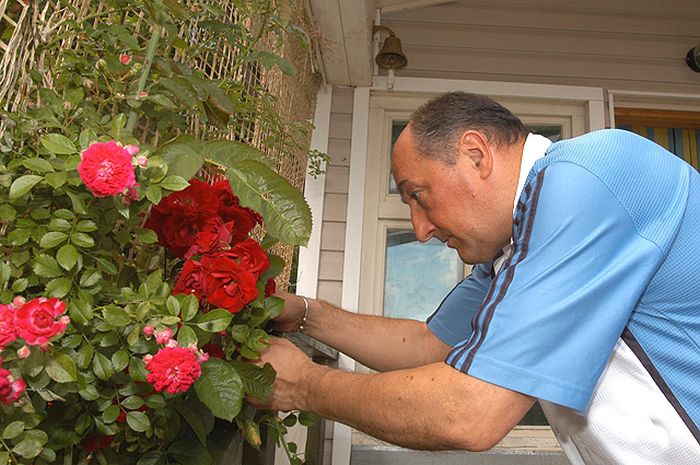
306,312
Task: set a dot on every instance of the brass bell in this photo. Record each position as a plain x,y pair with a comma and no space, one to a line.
391,56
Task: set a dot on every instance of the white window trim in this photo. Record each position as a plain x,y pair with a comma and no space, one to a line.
314,191
651,100
593,98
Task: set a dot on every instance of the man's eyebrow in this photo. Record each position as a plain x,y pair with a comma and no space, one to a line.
400,185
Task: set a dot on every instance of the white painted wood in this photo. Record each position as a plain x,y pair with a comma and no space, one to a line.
314,190
330,291
388,6
339,151
337,179
345,29
353,247
340,125
333,236
651,100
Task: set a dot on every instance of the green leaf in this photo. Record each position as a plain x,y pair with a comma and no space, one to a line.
186,336
132,402
308,419
182,90
87,137
56,180
19,236
78,203
39,165
189,306
220,100
82,239
173,183
23,185
155,401
59,224
215,320
52,239
220,388
80,311
7,213
61,368
137,369
116,316
58,144
287,216
13,430
190,453
19,285
138,421
85,355
227,153
163,101
46,267
5,273
152,457
64,214
268,60
172,305
110,414
86,226
58,287
257,381
193,419
154,194
67,257
120,360
181,157
102,367
147,236
29,448
90,277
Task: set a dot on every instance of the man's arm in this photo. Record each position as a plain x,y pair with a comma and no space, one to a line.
377,342
431,407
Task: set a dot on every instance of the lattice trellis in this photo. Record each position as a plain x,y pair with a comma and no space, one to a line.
25,25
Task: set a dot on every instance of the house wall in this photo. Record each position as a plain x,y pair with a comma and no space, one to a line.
621,44
330,272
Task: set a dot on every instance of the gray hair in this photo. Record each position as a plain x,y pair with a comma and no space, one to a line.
437,125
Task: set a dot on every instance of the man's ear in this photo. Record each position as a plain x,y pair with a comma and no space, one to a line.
475,147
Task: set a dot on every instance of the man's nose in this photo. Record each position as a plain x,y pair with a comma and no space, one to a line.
421,225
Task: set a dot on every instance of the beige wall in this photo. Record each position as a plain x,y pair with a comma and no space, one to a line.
330,272
613,44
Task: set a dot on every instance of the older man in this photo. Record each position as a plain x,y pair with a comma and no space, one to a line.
584,296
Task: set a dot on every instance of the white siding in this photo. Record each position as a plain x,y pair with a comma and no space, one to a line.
336,197
621,44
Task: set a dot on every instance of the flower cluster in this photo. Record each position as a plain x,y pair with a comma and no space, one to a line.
36,322
206,224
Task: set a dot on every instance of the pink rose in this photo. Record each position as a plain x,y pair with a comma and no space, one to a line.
8,334
106,169
125,58
163,336
23,352
10,389
173,369
36,321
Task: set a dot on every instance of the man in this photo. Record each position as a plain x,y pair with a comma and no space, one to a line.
584,296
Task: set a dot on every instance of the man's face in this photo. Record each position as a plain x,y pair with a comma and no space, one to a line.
449,202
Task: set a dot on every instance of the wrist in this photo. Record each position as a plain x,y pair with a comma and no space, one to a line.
311,382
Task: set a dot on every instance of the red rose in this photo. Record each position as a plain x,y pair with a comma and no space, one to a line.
250,256
7,328
214,235
10,389
270,287
106,169
101,441
229,286
36,322
244,219
181,215
173,369
192,280
214,350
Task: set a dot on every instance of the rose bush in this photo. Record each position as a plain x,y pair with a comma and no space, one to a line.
135,280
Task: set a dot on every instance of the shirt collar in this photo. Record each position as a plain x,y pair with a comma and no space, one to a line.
534,149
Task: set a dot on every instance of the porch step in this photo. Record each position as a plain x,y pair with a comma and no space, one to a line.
391,455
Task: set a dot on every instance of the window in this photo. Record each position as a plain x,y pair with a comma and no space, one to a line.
677,131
